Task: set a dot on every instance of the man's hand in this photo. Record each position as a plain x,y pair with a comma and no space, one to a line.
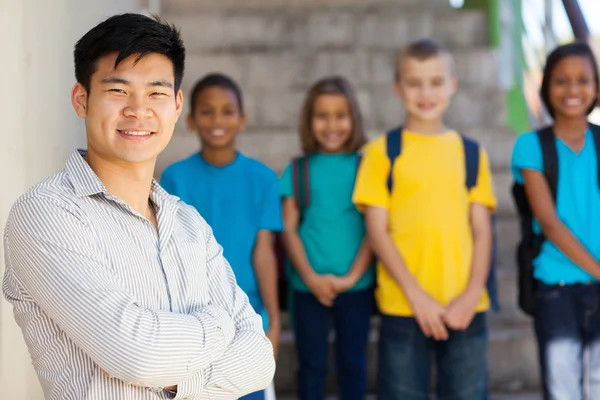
461,310
429,315
322,287
273,334
173,388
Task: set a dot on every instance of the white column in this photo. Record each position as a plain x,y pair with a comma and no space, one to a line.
39,128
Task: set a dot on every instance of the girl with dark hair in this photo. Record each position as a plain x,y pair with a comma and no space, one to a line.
566,215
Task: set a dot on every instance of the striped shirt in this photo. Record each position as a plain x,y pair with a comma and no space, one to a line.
96,287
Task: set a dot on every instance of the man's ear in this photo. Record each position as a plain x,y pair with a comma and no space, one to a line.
79,97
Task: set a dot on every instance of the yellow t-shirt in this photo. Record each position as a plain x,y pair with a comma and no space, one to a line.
428,213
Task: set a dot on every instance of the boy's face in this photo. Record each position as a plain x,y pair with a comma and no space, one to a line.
425,86
130,112
217,118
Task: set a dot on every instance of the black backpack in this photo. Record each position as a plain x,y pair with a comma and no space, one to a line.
530,245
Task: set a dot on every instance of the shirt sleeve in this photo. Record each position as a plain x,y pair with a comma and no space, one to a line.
248,365
53,259
371,188
286,184
483,192
527,154
270,208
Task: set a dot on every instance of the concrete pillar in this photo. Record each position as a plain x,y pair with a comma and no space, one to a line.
39,128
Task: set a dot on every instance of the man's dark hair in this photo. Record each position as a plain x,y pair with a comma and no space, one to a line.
218,80
128,34
577,49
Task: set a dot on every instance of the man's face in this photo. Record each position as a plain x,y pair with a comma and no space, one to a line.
130,112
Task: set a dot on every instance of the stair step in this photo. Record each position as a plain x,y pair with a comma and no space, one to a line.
311,28
493,396
513,350
188,6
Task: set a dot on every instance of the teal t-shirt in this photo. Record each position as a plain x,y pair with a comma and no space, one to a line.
577,204
332,229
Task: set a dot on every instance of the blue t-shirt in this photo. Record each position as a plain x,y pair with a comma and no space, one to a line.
237,200
577,204
332,229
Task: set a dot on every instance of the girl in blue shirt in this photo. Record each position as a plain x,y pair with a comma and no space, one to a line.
331,276
567,308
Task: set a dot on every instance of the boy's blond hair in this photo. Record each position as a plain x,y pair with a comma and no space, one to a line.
422,50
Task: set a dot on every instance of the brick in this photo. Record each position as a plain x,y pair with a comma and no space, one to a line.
313,67
383,66
477,66
502,183
253,30
497,141
184,6
202,31
365,104
419,25
477,106
387,30
279,71
473,28
331,30
279,109
388,110
355,66
252,100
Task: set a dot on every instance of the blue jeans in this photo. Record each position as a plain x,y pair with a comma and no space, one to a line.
351,315
405,361
567,326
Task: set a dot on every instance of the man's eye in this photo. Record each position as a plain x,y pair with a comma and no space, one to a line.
116,91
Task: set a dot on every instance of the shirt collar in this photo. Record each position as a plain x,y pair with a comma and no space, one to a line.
86,183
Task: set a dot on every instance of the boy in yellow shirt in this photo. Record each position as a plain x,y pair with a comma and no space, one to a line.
427,195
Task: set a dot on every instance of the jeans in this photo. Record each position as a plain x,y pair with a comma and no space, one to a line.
351,315
405,361
567,326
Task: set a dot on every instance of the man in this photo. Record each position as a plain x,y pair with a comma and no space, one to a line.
120,289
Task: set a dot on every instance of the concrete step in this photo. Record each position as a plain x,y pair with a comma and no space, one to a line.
187,6
493,396
512,354
311,28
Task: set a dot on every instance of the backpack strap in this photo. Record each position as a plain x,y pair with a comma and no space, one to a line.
301,182
549,157
393,147
471,149
596,134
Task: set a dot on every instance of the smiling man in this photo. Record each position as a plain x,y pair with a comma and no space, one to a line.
121,290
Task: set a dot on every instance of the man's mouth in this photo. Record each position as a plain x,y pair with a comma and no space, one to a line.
134,133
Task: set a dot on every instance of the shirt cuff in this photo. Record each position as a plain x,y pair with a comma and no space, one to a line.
192,388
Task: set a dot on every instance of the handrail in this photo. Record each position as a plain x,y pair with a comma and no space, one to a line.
577,20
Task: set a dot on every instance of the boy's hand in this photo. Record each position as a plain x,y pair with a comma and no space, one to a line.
429,315
323,288
461,310
273,334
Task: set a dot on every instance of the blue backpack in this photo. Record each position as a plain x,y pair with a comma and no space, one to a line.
471,150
